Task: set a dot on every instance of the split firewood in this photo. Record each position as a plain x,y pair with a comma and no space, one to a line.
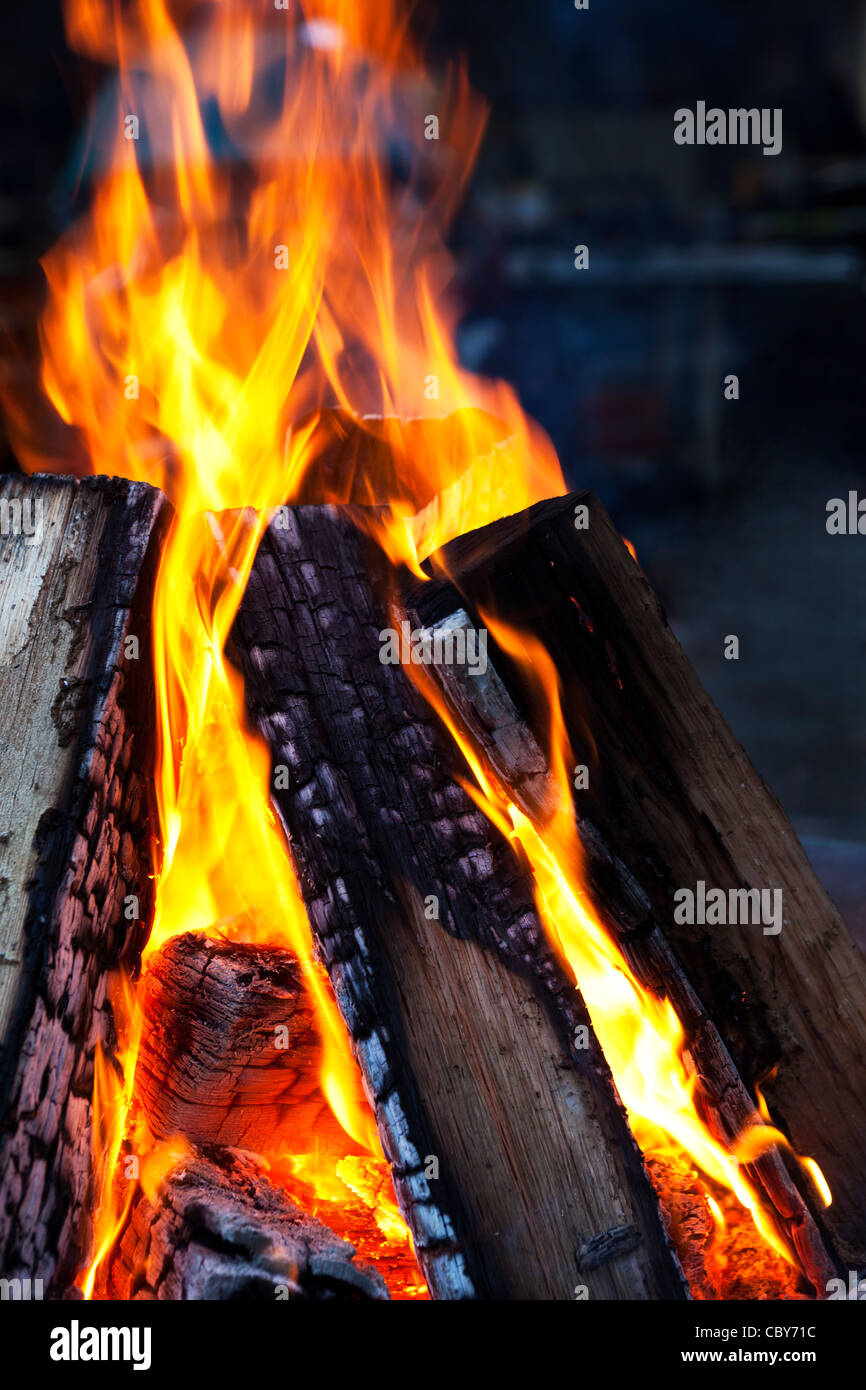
666,788
483,706
512,1158
510,1150
219,1229
77,565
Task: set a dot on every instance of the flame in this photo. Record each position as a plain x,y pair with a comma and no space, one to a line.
112,1101
717,1214
346,1194
252,255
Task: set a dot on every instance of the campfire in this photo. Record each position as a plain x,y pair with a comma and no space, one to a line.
364,907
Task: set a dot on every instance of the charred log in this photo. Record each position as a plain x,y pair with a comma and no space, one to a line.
219,1229
485,708
77,564
229,1053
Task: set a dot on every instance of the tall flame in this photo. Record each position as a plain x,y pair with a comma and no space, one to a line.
265,239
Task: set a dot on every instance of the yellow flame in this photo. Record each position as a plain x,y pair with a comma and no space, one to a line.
112,1099
818,1179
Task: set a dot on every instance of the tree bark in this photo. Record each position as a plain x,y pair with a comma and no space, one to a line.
77,564
673,797
512,1158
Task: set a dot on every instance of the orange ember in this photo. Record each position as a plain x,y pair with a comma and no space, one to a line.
355,1198
247,260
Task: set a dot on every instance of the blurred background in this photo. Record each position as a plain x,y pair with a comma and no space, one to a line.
703,262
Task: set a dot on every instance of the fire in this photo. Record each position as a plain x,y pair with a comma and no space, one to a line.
250,256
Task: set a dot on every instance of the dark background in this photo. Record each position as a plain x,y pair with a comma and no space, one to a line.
703,262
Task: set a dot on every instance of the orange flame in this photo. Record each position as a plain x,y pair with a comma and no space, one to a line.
199,319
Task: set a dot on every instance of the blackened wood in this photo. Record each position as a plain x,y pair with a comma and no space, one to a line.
229,1051
77,565
676,800
460,1016
218,1230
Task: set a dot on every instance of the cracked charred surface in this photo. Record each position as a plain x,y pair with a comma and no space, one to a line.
76,749
213,1064
460,1017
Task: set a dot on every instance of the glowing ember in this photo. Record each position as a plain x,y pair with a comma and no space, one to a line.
354,1197
723,1255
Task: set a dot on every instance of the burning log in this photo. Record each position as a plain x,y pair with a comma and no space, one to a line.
671,794
512,1158
77,564
229,1051
219,1229
230,1056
